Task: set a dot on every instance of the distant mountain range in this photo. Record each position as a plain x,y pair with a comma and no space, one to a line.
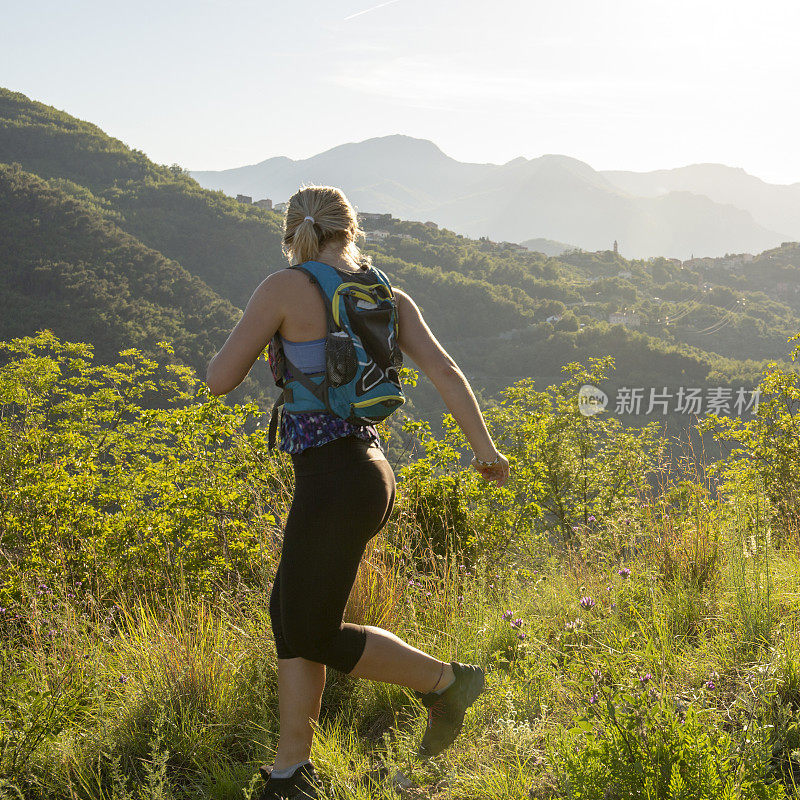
697,210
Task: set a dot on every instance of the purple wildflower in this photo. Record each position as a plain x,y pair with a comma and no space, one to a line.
517,623
711,685
624,573
587,602
593,699
592,518
522,636
645,678
597,675
508,614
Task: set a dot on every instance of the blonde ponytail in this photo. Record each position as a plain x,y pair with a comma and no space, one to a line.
316,216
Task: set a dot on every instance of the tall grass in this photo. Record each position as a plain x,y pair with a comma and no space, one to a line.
176,697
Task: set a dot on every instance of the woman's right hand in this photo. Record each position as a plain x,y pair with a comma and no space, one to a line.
496,472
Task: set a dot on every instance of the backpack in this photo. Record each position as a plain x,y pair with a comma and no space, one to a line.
362,357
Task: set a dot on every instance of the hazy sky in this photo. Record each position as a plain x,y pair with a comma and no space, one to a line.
620,84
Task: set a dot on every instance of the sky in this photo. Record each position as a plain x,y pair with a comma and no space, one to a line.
619,84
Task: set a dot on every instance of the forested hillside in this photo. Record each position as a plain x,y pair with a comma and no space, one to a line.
102,245
67,267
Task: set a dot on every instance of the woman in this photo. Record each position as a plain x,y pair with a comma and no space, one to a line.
344,492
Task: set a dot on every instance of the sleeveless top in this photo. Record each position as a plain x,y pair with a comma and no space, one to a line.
313,428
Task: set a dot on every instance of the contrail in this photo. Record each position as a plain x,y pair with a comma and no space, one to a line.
367,10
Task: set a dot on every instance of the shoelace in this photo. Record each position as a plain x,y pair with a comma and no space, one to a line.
435,711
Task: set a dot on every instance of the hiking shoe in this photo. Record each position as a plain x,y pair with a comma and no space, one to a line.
300,785
446,710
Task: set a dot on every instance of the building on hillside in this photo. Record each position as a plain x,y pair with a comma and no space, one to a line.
736,260
626,273
626,318
694,263
265,203
616,248
244,198
376,236
553,319
362,215
280,207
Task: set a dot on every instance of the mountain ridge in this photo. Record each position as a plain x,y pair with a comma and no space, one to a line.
470,197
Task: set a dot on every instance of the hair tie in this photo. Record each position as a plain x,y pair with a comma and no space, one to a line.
311,218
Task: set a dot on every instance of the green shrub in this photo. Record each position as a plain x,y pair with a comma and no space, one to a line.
635,743
101,487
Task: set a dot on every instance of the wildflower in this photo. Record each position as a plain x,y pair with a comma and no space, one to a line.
522,636
597,675
593,699
624,573
645,678
613,606
575,528
592,518
711,685
461,598
123,678
587,602
574,625
508,614
517,623
609,588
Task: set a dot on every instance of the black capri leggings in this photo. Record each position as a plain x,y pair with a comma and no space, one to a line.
344,493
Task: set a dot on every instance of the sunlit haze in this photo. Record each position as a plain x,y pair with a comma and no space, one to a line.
622,85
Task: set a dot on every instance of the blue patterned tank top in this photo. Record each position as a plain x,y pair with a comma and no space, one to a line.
313,428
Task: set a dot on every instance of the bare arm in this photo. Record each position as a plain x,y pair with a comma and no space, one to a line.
261,319
417,341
